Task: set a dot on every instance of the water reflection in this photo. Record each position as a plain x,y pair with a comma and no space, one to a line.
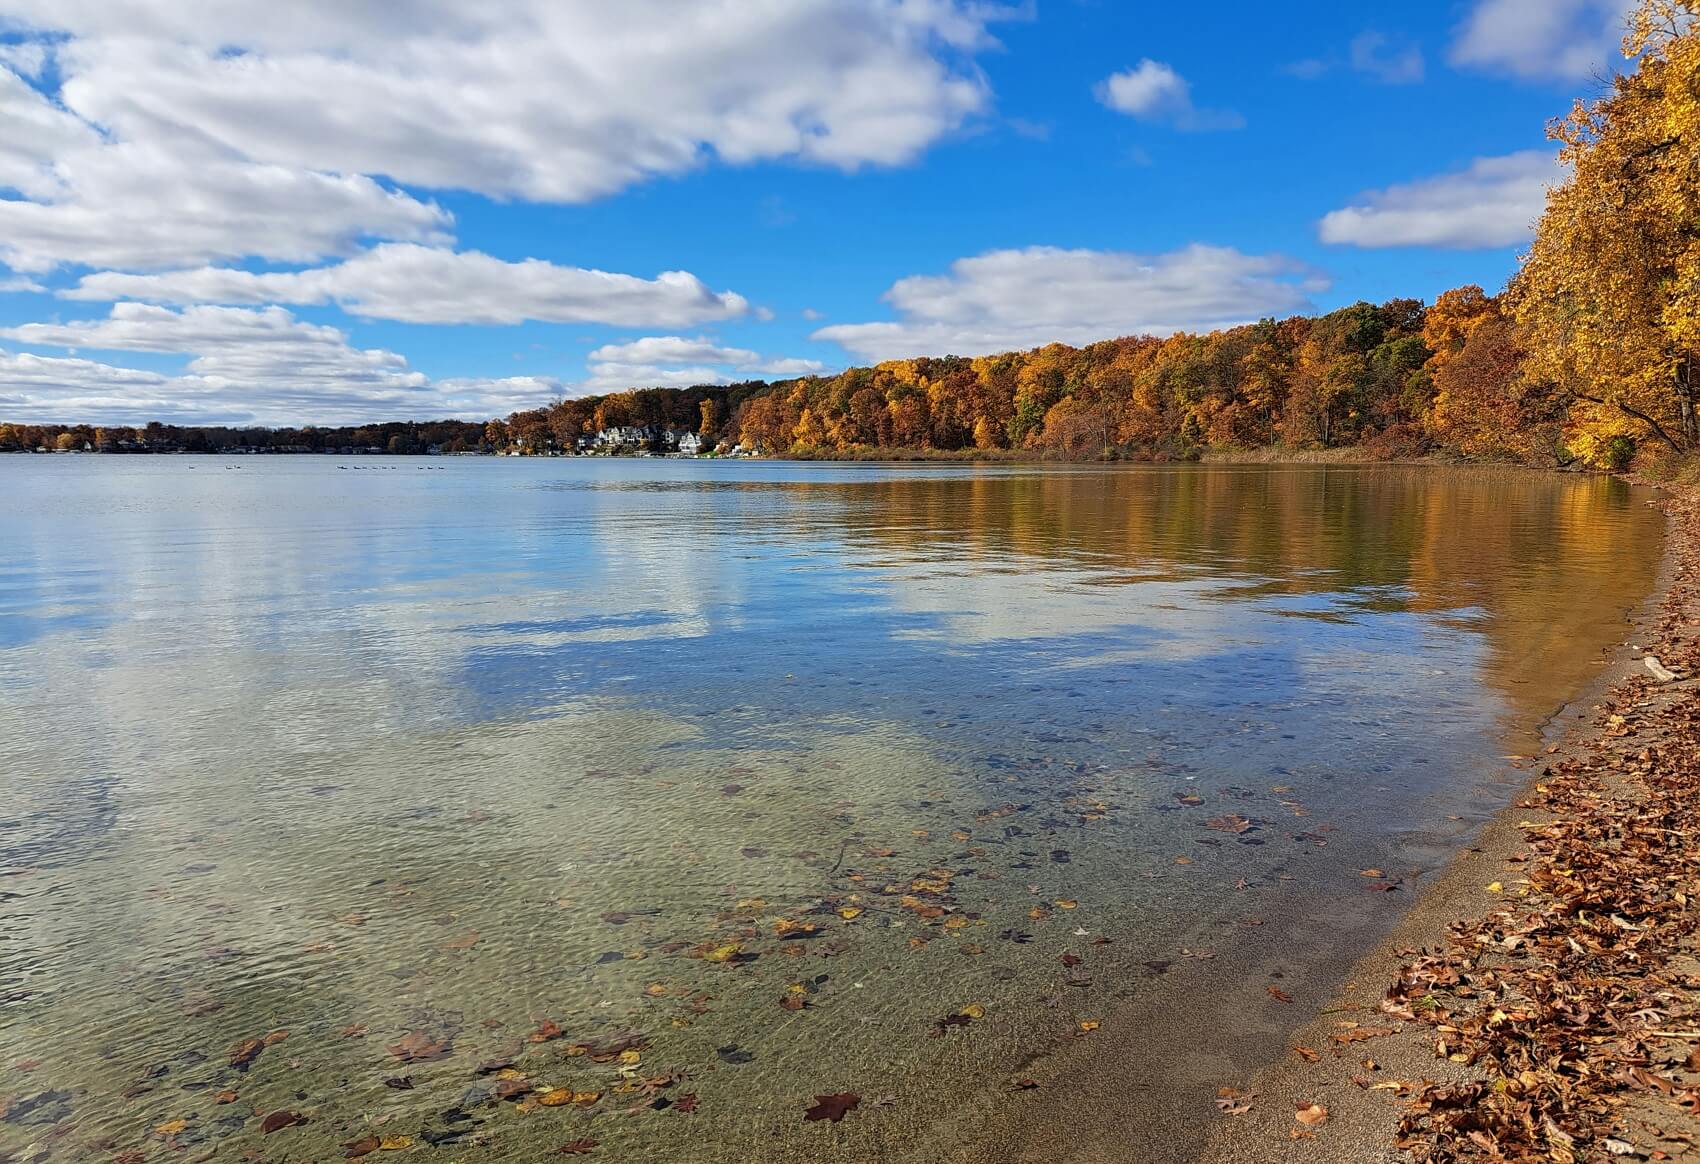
709,769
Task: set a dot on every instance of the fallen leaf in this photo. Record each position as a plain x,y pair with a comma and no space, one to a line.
465,942
832,1107
246,1052
1312,1115
171,1127
365,1145
576,1148
279,1120
1307,1054
228,1095
420,1047
1088,1024
1231,1101
686,1103
395,1143
1277,994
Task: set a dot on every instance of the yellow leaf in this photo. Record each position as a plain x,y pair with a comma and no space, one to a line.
395,1143
171,1127
1088,1024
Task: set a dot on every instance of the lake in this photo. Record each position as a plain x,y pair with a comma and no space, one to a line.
502,806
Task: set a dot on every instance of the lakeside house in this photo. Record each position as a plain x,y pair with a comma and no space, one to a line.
631,437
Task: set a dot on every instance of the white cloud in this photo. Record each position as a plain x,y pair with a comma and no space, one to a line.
1493,203
1010,299
1539,39
245,366
675,361
1153,91
134,205
419,284
1389,62
553,100
10,283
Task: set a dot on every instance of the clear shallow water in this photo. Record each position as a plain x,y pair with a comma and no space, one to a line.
421,761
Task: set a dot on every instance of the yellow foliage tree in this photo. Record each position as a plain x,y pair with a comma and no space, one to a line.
1609,294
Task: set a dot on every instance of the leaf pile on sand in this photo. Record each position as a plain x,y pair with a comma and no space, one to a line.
1577,1003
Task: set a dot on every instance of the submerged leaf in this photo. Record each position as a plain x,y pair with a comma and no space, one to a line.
832,1107
279,1120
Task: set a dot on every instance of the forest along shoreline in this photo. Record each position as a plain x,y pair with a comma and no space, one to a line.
1541,998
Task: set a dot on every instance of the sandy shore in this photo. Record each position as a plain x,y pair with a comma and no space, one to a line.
1372,1066
1114,1102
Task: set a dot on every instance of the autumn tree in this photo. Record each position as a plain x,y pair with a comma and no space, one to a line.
1609,295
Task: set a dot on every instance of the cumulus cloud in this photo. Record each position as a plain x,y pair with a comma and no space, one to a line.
551,100
134,205
658,361
420,284
1493,203
1552,39
1153,91
244,366
1010,299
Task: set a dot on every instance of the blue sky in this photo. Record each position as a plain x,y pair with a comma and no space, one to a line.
842,180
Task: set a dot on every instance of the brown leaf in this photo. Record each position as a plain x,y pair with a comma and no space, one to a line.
1277,994
355,1149
464,942
511,1088
832,1107
1307,1054
246,1052
279,1120
1233,822
686,1103
1233,1102
576,1148
1311,1115
420,1047
228,1095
